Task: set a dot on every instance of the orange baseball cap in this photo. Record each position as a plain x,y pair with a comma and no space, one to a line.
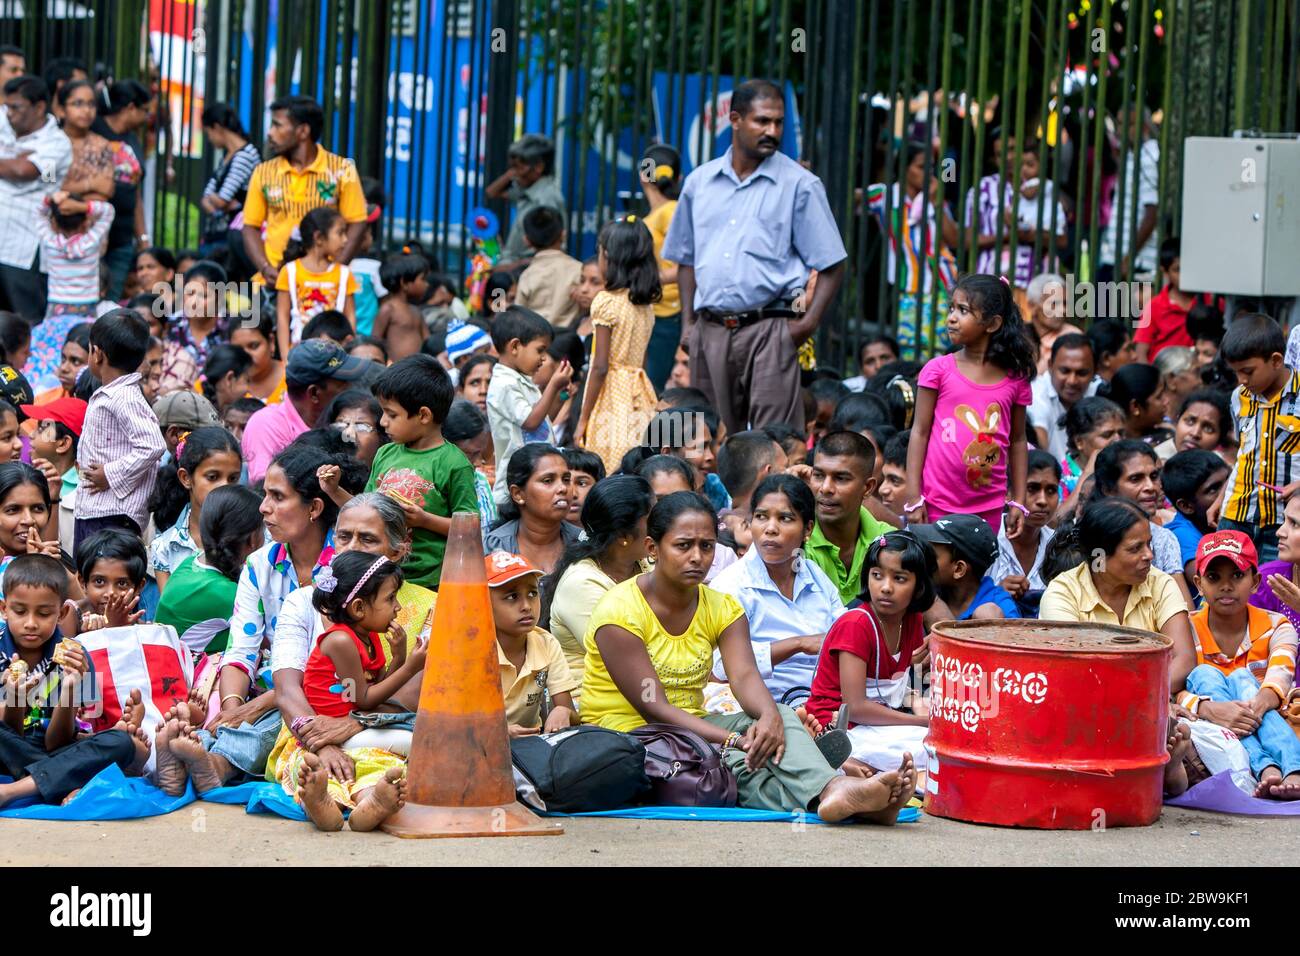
66,411
1233,545
503,567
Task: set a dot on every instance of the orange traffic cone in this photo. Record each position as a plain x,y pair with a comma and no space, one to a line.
459,781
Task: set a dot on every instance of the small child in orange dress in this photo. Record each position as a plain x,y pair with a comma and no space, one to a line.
619,399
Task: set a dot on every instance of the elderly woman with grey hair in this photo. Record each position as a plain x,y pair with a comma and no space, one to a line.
372,523
1048,306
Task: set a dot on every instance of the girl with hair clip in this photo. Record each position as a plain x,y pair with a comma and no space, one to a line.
206,459
899,394
349,670
967,453
619,397
861,681
311,278
661,181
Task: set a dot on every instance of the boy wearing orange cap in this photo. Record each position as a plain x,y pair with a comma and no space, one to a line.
1245,663
54,454
532,661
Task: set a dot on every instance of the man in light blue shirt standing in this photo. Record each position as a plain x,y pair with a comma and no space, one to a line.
749,229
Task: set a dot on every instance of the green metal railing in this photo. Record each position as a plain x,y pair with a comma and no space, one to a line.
869,75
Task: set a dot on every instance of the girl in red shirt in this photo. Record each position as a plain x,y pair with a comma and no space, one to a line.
861,679
348,670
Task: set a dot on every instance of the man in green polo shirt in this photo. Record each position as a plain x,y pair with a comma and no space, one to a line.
843,474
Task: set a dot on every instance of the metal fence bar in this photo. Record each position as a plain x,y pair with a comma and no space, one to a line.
1044,88
1125,238
1139,104
589,71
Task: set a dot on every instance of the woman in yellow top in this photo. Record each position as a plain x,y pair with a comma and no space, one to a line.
1114,582
618,400
661,180
311,279
650,646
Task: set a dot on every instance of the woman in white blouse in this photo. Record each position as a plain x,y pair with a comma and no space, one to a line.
789,601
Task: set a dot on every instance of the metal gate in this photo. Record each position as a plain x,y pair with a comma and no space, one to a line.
427,95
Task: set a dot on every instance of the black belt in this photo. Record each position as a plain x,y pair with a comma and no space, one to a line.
738,320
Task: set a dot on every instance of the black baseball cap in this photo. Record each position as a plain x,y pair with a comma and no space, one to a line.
15,389
970,538
316,360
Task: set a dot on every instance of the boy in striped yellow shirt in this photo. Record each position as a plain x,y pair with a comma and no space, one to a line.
1266,419
1245,663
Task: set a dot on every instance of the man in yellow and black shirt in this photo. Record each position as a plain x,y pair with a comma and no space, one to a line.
1266,419
301,177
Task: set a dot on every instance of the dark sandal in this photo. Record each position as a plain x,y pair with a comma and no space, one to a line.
835,746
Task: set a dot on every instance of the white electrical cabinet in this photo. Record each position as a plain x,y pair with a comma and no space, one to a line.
1241,216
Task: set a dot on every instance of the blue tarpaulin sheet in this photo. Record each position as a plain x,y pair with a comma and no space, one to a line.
114,796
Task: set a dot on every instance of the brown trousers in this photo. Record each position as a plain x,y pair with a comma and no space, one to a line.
751,373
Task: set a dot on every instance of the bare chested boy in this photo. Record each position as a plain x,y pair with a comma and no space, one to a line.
399,322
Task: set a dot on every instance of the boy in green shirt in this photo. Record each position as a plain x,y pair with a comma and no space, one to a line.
429,477
843,475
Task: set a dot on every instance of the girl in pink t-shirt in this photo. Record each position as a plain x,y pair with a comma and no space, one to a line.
967,453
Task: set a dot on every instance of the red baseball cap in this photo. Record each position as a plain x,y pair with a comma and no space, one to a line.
503,567
1233,545
65,411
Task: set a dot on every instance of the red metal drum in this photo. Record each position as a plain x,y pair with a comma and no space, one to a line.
1046,724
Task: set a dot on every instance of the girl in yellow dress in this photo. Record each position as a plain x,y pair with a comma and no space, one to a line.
619,400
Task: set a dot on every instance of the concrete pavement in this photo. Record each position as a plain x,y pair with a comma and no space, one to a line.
207,834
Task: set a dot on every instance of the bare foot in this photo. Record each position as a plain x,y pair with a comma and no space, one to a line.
856,768
133,709
810,723
314,795
1178,743
70,797
900,795
845,797
169,772
1271,777
142,749
196,706
1287,789
198,762
380,802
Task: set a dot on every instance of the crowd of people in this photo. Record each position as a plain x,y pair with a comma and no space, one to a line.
681,523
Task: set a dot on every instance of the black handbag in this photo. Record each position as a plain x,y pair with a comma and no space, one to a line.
580,770
685,770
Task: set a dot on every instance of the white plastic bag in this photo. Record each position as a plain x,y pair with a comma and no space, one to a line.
1220,750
